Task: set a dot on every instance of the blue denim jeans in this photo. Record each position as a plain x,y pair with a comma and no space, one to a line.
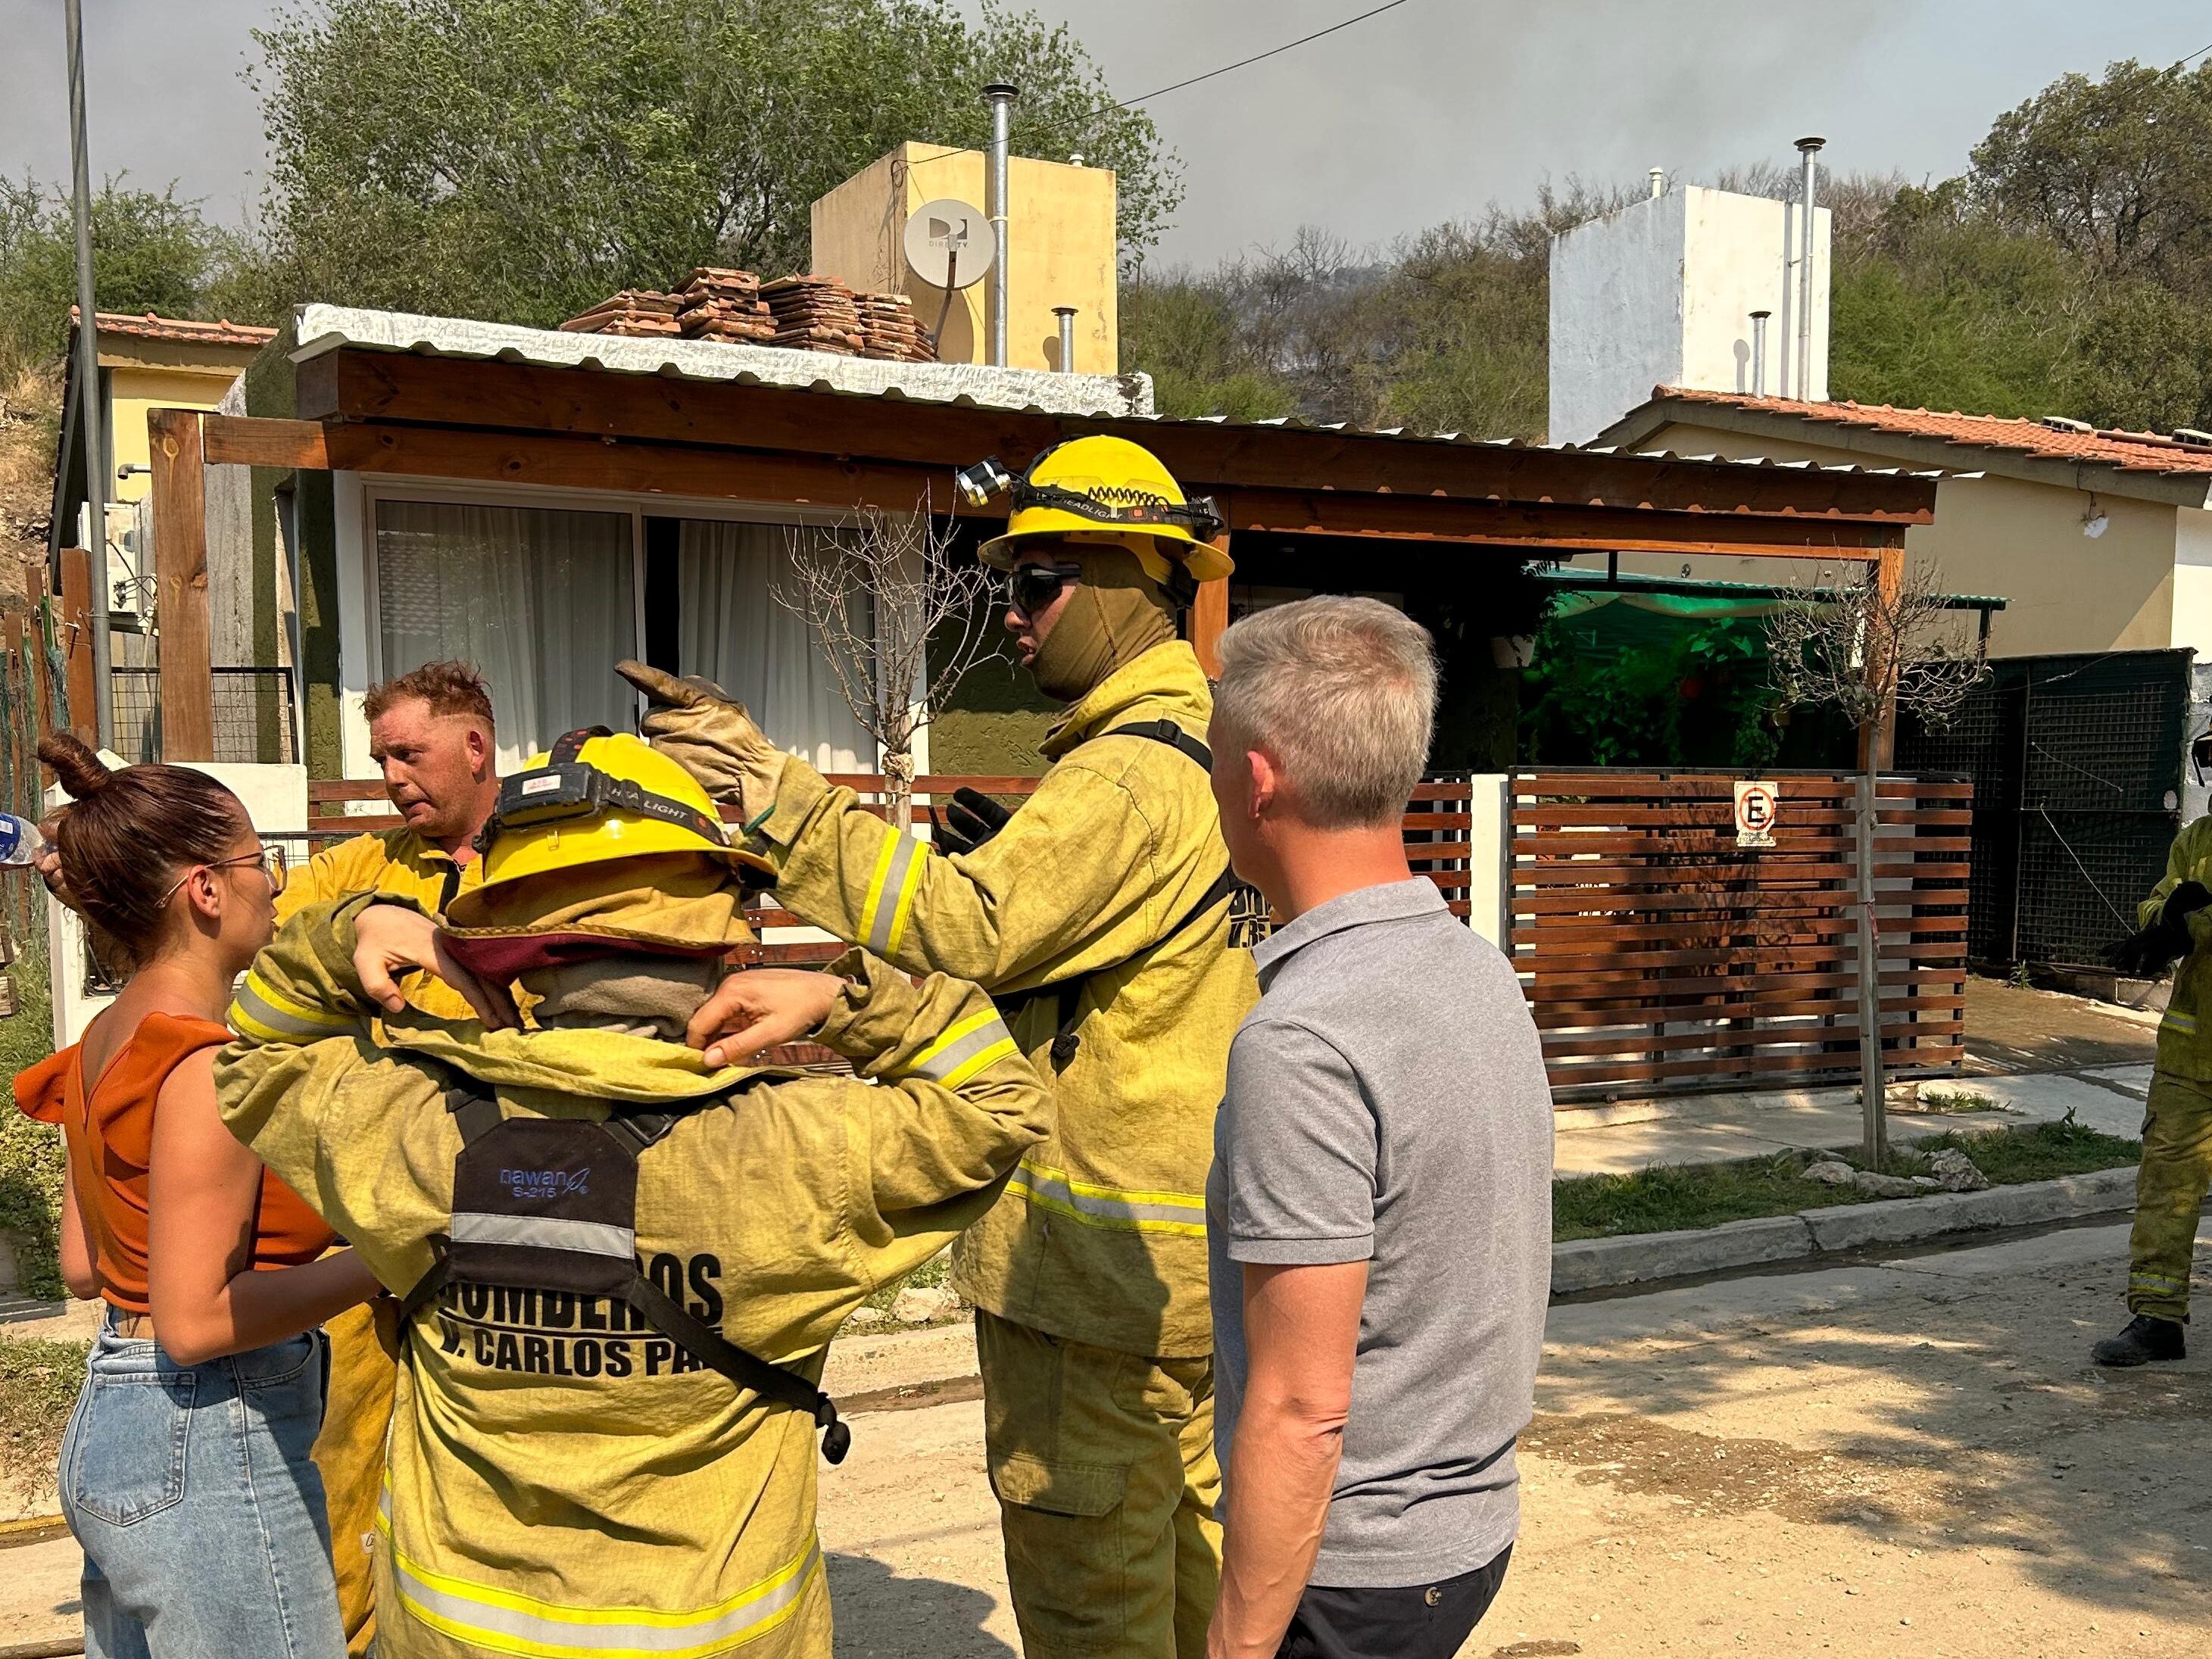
200,1515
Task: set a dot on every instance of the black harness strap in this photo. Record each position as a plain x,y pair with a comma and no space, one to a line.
635,1131
1068,993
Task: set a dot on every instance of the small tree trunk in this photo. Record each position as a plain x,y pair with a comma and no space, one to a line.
898,787
1876,1145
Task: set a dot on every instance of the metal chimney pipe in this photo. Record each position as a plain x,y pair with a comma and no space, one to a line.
1810,149
1658,183
87,392
1067,315
1758,352
1000,97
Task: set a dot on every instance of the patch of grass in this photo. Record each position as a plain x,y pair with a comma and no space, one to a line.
38,1384
1957,1100
33,1161
2039,1151
928,1277
1675,1198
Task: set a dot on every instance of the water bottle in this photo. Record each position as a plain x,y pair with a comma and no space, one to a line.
20,843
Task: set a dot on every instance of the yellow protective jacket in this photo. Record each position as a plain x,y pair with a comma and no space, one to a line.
2185,1045
1100,1236
564,1480
397,861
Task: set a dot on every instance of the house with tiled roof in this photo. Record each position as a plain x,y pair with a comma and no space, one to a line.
2102,540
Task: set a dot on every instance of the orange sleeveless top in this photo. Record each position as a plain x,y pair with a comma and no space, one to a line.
111,1138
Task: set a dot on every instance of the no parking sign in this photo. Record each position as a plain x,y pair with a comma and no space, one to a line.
1757,806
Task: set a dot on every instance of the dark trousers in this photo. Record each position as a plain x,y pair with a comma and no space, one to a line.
1417,1622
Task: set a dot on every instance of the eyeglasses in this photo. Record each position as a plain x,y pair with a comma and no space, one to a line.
1036,586
273,863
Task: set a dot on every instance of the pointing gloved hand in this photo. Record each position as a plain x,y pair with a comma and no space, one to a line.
967,821
2150,952
708,732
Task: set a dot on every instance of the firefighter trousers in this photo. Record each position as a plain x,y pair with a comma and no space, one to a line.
1104,1470
2170,1187
350,1453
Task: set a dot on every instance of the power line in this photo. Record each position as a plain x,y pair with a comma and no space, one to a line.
1274,52
2181,62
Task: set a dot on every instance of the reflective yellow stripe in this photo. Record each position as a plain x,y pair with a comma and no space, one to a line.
1115,1207
2181,1024
978,1041
267,1016
875,896
505,1621
907,888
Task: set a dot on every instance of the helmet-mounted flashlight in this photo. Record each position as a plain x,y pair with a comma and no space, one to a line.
980,484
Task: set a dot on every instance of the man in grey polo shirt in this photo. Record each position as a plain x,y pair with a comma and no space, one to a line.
1379,1212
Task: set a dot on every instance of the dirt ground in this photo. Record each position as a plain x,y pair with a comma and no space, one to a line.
1906,1456
2013,1029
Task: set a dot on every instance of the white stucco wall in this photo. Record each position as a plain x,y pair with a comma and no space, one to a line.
1661,294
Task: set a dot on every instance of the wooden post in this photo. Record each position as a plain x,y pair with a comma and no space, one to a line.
1209,611
1878,737
76,627
179,532
1875,1142
42,691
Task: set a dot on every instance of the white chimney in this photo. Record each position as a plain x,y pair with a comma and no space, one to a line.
1662,293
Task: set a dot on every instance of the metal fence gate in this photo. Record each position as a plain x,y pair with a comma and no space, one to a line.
2077,763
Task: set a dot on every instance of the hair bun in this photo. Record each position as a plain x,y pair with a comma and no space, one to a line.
82,772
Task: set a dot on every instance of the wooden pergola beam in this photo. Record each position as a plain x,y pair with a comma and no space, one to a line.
352,386
811,480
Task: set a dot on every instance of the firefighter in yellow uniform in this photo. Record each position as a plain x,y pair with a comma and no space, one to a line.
1101,917
2176,924
619,1267
364,1341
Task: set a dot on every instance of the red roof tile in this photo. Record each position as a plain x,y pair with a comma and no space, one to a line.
2129,452
179,331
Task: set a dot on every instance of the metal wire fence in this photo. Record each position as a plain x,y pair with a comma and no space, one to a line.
253,714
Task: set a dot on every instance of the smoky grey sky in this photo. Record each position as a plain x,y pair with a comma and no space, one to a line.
1426,113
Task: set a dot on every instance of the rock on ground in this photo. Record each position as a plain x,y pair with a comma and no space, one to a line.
1830,1172
916,1305
1955,1172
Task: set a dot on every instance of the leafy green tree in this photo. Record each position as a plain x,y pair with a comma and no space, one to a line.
2111,170
150,252
1937,305
521,158
2147,361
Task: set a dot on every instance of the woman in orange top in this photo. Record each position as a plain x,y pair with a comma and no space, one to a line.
185,1473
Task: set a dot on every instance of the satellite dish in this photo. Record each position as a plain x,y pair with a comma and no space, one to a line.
948,238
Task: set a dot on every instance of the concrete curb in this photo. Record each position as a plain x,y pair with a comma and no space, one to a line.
1588,1264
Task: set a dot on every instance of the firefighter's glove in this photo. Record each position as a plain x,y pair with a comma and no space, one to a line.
2150,953
967,821
708,732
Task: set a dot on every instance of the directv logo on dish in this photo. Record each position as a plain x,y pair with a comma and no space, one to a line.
543,1184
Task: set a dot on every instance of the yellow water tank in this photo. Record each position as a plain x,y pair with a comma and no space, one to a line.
1059,230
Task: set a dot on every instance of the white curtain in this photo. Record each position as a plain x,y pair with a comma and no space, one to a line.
732,630
541,601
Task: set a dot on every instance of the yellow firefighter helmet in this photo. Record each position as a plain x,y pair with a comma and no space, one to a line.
1103,490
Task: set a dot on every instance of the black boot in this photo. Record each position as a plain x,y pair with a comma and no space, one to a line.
2144,1341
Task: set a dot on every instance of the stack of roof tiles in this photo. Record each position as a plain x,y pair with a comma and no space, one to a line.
634,310
814,313
889,330
721,304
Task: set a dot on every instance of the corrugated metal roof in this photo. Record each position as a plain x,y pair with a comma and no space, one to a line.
325,328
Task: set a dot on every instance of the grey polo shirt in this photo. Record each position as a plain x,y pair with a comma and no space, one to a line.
1386,1103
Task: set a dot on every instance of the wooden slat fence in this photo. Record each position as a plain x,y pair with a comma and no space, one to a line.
1658,955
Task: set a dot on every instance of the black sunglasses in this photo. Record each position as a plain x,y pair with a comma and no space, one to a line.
1034,587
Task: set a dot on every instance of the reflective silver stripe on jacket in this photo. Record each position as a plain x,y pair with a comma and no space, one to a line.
1182,1213
260,1011
978,1041
544,1232
883,919
506,1621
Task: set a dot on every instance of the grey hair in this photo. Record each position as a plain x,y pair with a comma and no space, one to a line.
1342,693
